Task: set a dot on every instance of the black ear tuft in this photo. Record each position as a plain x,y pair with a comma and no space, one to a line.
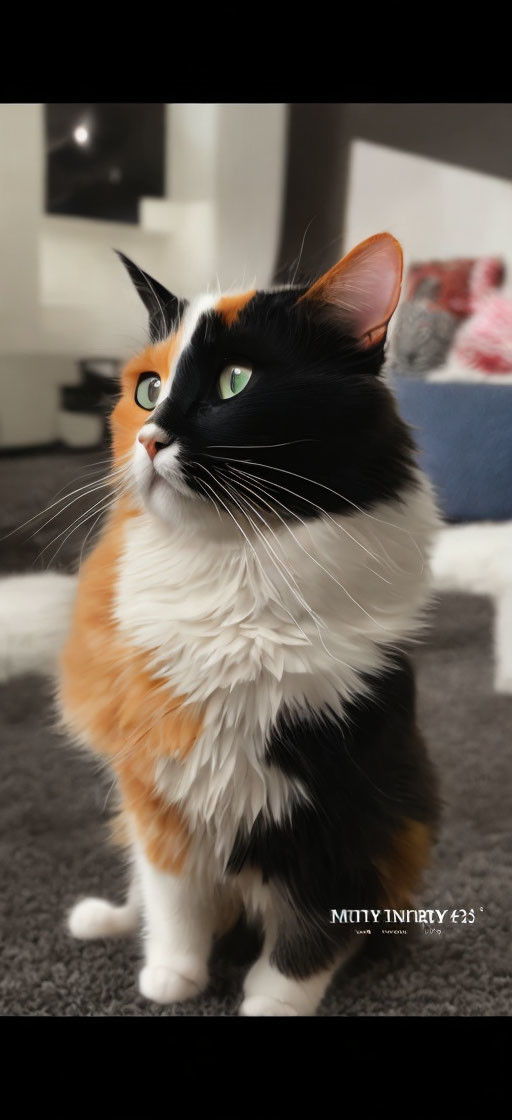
164,308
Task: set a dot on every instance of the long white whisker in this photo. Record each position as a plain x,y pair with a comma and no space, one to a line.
91,509
297,266
108,502
294,474
268,546
92,488
80,489
249,575
319,565
388,561
86,538
265,522
213,499
312,615
245,446
315,505
201,484
257,482
258,558
219,499
239,527
95,466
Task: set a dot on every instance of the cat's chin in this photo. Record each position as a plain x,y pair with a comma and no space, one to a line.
166,501
179,506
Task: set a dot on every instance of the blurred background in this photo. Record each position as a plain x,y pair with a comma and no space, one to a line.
230,193
238,195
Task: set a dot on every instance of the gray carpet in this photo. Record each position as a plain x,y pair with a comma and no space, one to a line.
54,805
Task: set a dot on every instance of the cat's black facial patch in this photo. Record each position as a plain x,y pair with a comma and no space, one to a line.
315,429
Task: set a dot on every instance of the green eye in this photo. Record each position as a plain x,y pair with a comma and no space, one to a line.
233,379
148,388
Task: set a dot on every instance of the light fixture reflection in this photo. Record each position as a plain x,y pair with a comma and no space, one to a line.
81,134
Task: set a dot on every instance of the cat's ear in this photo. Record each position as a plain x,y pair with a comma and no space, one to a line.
163,308
363,289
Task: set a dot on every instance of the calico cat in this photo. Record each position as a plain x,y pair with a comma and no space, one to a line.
237,647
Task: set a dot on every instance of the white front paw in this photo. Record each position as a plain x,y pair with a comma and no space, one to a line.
266,1005
94,917
165,983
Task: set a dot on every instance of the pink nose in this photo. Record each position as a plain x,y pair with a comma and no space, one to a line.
151,444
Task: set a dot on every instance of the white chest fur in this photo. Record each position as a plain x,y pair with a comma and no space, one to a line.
248,633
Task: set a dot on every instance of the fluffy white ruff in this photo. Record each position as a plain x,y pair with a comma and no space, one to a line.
478,558
248,632
35,614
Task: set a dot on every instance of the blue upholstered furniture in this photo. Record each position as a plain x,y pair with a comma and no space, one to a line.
464,432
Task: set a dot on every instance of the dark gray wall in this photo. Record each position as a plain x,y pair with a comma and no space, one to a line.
476,136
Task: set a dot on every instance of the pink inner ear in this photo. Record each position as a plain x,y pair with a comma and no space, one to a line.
364,286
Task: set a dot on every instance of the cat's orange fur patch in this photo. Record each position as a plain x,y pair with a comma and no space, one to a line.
401,869
128,416
231,306
160,827
111,697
